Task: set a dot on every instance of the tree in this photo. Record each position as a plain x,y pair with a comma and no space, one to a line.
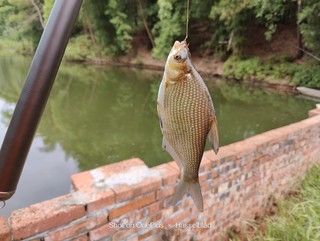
309,19
21,22
47,6
171,25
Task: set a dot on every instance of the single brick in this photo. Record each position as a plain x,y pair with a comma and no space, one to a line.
102,232
97,199
82,180
81,238
44,216
132,205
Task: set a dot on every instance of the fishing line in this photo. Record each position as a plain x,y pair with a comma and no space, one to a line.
187,20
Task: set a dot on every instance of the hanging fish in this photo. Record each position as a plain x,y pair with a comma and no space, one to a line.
187,117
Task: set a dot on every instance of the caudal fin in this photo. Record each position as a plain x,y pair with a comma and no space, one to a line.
191,187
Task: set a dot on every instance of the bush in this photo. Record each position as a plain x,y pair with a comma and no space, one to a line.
307,76
80,48
273,70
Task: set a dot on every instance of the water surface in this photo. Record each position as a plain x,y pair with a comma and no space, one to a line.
99,115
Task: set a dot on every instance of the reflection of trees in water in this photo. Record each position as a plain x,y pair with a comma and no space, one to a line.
244,112
100,120
103,115
12,75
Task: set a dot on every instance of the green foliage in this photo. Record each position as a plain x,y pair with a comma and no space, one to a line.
116,12
272,70
80,48
307,76
309,19
171,25
110,25
47,6
270,13
20,23
230,18
257,69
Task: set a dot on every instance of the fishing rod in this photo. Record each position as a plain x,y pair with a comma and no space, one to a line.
35,93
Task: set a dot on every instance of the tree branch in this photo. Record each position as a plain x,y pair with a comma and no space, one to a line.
146,25
38,13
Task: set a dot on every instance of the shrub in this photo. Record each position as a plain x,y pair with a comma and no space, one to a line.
272,70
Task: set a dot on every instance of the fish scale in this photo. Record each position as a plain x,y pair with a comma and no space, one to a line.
184,99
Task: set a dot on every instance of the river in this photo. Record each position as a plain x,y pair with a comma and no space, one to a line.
98,115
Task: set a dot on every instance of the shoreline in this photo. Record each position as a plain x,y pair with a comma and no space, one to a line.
202,69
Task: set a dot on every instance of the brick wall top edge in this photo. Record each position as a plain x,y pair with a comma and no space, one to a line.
96,176
314,112
126,179
169,172
43,216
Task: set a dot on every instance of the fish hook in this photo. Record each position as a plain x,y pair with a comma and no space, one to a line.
3,204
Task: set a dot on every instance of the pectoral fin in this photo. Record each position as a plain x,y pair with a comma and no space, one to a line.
213,135
167,147
159,116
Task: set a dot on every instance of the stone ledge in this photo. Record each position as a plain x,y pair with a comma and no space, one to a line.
127,179
37,218
314,112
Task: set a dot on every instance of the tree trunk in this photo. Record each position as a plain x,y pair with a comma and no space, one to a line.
146,25
299,37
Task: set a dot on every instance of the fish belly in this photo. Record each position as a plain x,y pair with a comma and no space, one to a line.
186,123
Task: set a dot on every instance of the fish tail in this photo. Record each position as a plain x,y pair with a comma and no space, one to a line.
193,188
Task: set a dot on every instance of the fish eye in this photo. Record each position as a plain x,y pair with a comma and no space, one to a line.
177,57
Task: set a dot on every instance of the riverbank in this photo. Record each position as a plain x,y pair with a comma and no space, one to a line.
208,66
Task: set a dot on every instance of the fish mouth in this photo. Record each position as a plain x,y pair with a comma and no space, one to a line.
180,45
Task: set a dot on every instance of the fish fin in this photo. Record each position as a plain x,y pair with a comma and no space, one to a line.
195,191
159,116
167,147
213,135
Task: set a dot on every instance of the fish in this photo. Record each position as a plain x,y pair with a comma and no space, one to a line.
187,118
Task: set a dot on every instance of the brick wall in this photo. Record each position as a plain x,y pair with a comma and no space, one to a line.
129,201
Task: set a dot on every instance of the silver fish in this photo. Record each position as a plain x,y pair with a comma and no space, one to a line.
187,117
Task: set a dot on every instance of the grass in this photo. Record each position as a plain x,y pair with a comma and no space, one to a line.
297,218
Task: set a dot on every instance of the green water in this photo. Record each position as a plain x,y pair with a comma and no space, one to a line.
101,115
